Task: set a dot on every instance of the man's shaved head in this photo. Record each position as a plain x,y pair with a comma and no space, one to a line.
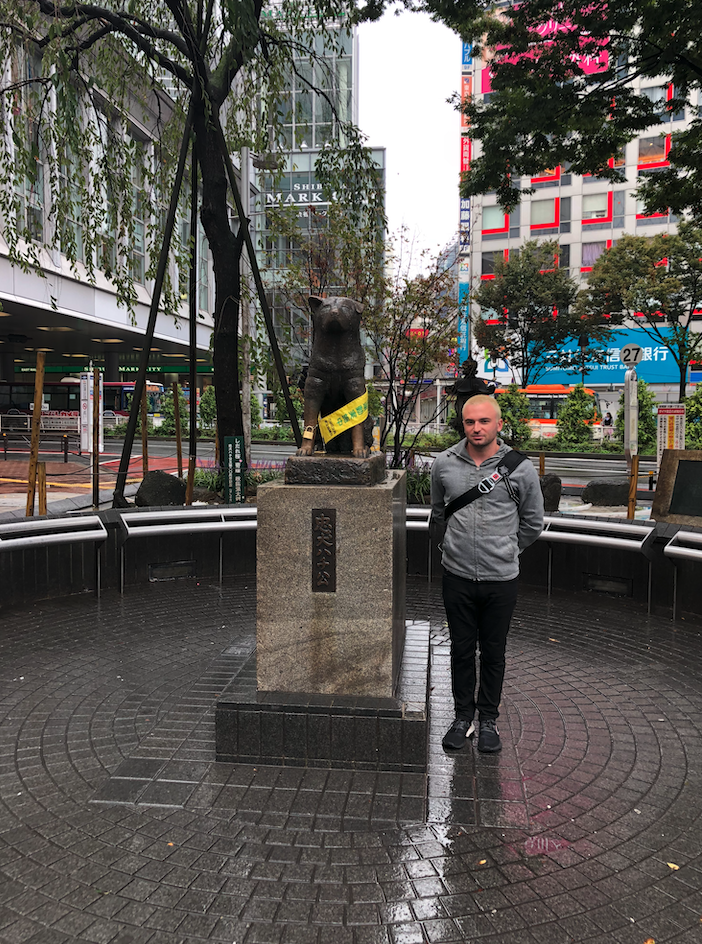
481,399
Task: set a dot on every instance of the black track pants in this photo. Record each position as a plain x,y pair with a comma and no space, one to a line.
478,614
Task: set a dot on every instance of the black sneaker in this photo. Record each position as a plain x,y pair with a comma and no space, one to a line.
489,737
458,734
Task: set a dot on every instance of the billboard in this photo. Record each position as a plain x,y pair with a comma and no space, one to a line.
656,366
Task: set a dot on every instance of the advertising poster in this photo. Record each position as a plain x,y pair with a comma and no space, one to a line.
671,428
86,413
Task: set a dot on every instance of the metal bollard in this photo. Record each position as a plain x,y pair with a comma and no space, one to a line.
650,481
4,445
65,449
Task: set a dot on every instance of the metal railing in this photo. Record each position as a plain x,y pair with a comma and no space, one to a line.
22,423
185,521
27,535
615,534
684,545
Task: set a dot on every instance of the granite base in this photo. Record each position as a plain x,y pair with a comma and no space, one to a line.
331,572
313,730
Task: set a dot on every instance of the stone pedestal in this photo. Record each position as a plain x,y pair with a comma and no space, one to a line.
331,587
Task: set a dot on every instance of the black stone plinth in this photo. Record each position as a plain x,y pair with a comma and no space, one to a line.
312,730
321,469
603,492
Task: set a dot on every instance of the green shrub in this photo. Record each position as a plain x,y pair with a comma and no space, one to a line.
274,434
212,479
574,416
168,426
693,419
515,415
208,407
281,409
419,484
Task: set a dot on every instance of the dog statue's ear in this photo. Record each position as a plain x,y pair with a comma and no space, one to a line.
358,306
315,302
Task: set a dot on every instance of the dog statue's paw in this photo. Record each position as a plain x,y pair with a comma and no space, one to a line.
361,453
305,449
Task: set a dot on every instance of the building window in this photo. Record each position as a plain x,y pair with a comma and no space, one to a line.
643,218
544,213
203,271
653,150
618,207
658,94
550,177
661,95
26,68
494,218
307,116
591,253
137,251
488,263
594,206
70,228
565,215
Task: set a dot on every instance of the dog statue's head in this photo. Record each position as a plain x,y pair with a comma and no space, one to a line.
335,315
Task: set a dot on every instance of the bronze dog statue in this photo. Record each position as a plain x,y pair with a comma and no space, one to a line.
336,373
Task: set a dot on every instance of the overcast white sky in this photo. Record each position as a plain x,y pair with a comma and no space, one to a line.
408,68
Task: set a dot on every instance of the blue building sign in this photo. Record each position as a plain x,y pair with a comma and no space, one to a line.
463,323
656,366
467,59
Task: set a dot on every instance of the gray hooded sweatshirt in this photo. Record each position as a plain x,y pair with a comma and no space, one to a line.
483,540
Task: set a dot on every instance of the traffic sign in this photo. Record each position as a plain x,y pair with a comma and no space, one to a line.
630,355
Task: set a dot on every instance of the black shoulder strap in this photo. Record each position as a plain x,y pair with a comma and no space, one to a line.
508,464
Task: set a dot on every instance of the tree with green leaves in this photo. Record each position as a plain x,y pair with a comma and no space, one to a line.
515,416
693,419
562,75
527,314
575,417
658,284
648,423
95,105
168,410
208,407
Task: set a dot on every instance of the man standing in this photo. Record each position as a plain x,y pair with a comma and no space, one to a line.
484,535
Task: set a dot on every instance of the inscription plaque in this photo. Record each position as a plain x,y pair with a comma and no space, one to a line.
324,550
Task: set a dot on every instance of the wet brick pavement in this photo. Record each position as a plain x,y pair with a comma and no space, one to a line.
116,826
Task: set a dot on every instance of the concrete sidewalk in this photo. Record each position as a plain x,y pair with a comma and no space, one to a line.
117,826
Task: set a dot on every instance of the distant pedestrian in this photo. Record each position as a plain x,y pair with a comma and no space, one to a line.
607,420
488,499
607,425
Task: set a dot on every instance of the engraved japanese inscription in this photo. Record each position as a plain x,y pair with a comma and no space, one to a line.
324,550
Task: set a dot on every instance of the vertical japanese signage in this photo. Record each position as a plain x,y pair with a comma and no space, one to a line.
324,550
86,413
234,469
463,323
463,328
671,428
